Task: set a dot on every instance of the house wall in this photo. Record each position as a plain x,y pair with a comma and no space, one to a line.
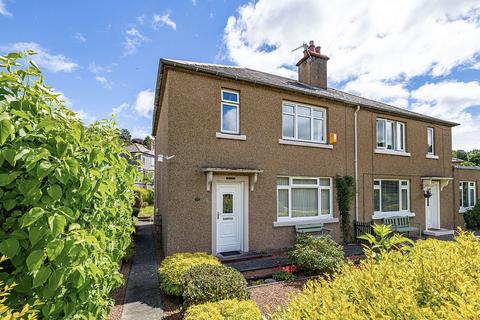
190,118
461,174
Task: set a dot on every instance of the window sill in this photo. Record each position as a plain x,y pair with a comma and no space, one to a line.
393,152
383,215
462,210
432,156
289,223
305,144
230,136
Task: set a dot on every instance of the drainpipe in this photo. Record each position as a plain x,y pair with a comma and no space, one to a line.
356,161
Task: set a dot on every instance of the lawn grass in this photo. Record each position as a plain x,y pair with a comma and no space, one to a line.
146,212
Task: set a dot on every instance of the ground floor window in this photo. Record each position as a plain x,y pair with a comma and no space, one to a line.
468,194
391,196
303,198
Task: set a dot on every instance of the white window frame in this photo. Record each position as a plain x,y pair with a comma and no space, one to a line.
312,118
398,135
230,103
317,186
431,136
401,212
472,185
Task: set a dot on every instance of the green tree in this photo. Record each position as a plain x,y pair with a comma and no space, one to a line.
460,154
65,199
125,136
148,142
474,157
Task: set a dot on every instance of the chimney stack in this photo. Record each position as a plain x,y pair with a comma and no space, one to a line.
312,68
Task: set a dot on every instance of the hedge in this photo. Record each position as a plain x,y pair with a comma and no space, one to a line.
66,198
173,268
434,280
224,310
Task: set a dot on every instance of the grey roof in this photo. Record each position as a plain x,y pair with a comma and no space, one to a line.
263,78
139,148
466,167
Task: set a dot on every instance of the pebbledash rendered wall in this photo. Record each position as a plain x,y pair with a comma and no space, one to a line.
190,118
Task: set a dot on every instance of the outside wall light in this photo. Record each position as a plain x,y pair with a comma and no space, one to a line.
162,157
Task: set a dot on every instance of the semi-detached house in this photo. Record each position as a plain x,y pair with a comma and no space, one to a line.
244,156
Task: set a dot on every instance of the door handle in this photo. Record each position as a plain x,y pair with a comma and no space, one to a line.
218,215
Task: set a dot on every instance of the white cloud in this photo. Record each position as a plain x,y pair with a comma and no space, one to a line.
144,103
107,84
141,19
80,37
45,59
133,38
3,9
99,69
117,110
161,20
85,116
375,49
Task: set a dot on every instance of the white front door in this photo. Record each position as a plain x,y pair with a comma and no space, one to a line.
229,215
432,207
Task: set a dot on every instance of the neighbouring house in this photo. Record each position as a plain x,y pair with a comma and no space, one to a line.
244,156
146,157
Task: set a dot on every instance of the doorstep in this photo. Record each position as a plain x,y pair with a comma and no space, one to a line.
438,232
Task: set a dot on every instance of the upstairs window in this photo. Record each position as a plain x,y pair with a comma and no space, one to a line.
390,135
430,141
230,109
391,195
468,194
303,123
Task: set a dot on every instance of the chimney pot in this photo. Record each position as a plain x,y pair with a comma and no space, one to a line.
312,68
317,50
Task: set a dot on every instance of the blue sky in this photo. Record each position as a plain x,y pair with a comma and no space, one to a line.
103,55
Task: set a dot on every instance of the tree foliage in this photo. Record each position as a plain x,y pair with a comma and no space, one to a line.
345,193
65,198
470,158
125,136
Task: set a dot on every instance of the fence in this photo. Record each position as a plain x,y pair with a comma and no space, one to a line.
361,228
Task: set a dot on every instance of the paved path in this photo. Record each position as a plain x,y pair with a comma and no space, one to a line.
142,298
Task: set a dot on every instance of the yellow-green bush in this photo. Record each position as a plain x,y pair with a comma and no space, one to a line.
435,280
173,268
224,310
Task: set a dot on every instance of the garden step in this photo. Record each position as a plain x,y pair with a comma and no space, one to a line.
258,264
240,257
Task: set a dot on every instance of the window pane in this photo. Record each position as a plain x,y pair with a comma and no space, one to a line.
430,140
288,108
399,135
282,203
465,195
304,202
304,111
318,130
390,196
325,182
325,193
389,135
304,131
472,197
229,118
229,96
461,194
228,203
376,200
282,181
288,126
318,114
380,133
404,199
305,181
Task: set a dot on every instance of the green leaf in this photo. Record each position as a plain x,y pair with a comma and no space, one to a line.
54,249
55,191
43,169
35,234
35,260
9,247
33,215
9,155
7,178
55,280
6,130
41,276
10,204
57,224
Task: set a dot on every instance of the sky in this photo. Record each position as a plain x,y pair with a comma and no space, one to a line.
103,56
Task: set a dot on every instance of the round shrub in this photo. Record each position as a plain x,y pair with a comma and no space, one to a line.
148,197
435,280
65,198
140,195
224,310
316,254
173,268
472,218
207,283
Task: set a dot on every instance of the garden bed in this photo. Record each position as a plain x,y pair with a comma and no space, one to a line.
119,293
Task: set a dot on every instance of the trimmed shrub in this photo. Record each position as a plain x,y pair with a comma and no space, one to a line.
316,254
434,280
65,197
282,275
173,268
224,310
472,218
207,283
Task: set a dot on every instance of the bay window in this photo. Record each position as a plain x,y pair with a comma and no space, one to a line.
391,196
303,198
303,123
390,135
468,195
